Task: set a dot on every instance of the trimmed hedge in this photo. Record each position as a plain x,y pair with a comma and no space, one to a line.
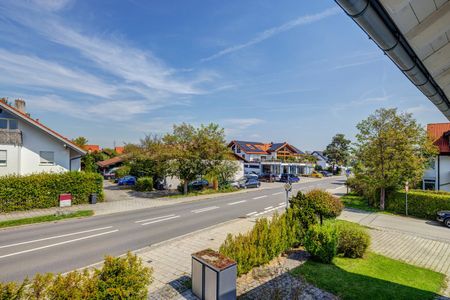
144,184
321,241
119,278
42,190
421,204
353,239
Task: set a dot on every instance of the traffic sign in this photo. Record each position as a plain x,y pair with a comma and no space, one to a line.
288,187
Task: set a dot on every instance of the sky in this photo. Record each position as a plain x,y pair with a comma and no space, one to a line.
116,70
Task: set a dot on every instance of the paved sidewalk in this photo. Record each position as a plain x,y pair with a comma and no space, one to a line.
131,202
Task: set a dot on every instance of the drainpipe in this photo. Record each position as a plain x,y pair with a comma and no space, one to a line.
371,16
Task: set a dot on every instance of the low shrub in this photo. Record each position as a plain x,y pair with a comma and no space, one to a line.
320,202
321,242
123,171
353,240
144,184
42,190
265,241
119,278
421,204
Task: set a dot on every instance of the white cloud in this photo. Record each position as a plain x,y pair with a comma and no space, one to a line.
26,70
243,123
53,5
303,20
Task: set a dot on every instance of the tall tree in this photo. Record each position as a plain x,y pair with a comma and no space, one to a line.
391,149
195,151
80,141
338,151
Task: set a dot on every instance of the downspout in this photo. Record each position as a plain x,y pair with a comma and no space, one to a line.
439,172
371,17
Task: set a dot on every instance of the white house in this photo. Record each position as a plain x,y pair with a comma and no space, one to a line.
322,160
437,176
27,146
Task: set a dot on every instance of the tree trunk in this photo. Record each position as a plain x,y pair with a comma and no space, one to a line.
185,187
215,184
382,197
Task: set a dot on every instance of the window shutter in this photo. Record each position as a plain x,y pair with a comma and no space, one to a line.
47,157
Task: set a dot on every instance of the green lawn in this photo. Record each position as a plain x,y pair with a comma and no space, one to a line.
202,192
373,277
354,201
48,218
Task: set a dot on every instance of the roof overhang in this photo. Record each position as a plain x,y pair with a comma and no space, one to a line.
67,143
415,35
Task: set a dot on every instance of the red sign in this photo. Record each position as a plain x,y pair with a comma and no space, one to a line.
65,200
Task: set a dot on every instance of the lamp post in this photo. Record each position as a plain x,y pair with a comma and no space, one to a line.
347,174
406,196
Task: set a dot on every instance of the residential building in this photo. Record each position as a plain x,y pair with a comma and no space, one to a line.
92,148
27,146
322,159
119,150
275,158
437,176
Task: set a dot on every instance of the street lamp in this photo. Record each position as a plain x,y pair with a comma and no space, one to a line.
406,196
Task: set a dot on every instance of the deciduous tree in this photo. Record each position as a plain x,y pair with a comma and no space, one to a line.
338,150
391,148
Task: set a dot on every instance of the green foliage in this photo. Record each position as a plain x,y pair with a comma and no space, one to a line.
338,151
123,171
304,213
80,141
353,240
42,190
391,149
265,241
48,218
316,202
144,184
224,171
421,204
119,278
321,242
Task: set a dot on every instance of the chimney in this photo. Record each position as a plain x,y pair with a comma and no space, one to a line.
20,105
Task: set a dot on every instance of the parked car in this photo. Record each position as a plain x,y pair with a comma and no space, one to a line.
289,178
127,180
110,174
326,173
268,177
251,175
238,183
444,217
198,184
251,183
316,174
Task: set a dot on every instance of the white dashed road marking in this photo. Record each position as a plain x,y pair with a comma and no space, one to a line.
269,207
237,202
160,220
156,218
274,194
204,209
260,197
250,214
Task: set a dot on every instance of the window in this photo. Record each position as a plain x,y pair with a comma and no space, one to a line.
238,150
3,158
8,124
47,158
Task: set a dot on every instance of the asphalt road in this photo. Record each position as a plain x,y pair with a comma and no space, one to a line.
67,245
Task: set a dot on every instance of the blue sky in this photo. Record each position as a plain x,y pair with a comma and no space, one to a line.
296,71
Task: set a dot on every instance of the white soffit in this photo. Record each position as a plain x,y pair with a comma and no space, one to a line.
425,24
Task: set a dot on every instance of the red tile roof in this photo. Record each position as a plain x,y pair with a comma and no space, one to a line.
38,124
92,148
119,150
436,131
110,161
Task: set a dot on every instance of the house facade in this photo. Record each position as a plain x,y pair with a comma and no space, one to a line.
27,146
437,176
274,158
322,160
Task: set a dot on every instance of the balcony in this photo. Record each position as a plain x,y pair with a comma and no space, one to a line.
11,137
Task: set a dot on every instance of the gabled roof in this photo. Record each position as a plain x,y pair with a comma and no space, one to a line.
91,148
437,132
320,153
111,161
12,110
262,148
119,150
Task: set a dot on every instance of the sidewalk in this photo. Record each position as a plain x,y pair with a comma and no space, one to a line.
131,202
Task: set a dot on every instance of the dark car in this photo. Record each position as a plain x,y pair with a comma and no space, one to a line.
444,217
289,178
198,184
127,180
268,177
251,183
326,173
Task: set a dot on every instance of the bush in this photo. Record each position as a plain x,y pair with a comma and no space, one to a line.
42,190
353,240
265,241
421,204
123,171
144,184
119,278
321,242
317,202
